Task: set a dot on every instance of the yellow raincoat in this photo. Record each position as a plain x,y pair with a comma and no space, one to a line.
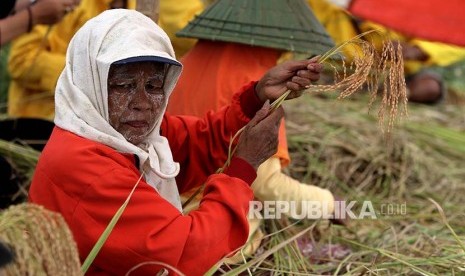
342,26
37,58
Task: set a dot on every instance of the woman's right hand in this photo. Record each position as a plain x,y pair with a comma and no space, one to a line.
51,11
259,141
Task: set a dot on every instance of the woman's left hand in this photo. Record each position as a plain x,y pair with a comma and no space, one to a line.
291,75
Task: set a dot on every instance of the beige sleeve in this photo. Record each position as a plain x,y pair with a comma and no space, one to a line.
273,185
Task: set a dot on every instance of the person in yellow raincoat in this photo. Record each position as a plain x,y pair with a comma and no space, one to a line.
37,58
424,86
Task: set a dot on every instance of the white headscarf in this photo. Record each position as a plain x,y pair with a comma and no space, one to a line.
81,97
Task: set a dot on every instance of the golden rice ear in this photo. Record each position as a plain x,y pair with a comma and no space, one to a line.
41,242
368,68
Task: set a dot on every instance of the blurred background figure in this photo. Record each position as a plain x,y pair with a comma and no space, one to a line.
424,85
426,19
37,58
18,17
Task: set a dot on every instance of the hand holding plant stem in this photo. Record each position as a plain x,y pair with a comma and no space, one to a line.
292,76
259,139
290,79
284,81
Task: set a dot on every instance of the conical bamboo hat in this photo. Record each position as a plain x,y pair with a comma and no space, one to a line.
280,24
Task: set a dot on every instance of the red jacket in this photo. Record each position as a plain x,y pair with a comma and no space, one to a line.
87,182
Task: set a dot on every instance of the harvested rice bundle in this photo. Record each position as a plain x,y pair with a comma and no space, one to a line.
41,241
340,146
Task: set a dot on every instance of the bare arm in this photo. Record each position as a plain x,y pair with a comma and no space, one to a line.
42,12
22,4
13,26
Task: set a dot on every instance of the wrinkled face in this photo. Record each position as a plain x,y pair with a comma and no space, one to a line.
135,98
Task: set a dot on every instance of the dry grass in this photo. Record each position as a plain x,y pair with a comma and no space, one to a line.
337,145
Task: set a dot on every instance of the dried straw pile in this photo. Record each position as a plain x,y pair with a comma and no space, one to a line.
341,149
425,152
336,144
41,241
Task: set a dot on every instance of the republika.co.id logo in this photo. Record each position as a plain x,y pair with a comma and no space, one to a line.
323,210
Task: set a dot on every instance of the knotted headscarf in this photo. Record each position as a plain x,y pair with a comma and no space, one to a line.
81,97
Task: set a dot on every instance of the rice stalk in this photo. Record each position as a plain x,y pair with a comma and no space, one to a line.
278,102
214,268
267,253
444,219
106,233
290,257
391,255
23,156
338,48
41,241
371,67
231,152
177,271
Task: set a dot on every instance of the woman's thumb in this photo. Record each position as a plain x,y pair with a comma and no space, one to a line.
261,114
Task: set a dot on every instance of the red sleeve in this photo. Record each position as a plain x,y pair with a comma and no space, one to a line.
151,229
201,145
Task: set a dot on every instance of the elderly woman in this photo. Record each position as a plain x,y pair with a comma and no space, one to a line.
111,133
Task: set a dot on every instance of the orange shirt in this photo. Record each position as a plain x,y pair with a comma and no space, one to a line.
213,71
